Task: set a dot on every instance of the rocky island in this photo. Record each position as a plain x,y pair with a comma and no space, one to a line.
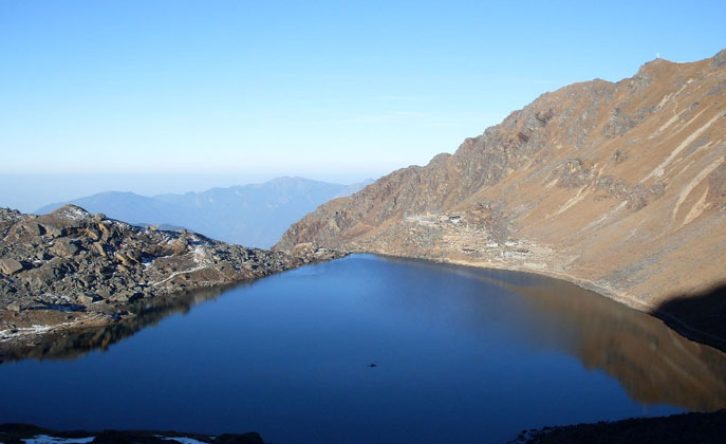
70,269
618,187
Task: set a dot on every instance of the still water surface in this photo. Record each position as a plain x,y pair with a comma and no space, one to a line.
461,355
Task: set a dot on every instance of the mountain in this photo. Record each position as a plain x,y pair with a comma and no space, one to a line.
619,187
254,215
69,269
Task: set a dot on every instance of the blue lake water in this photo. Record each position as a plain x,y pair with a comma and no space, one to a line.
461,355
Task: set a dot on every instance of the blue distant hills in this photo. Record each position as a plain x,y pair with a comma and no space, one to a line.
252,215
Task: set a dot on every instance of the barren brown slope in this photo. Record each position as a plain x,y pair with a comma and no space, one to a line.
620,187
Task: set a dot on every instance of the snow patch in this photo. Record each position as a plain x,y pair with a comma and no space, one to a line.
75,213
182,440
199,252
35,329
6,335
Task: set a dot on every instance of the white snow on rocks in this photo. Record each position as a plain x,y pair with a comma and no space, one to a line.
72,212
182,440
35,329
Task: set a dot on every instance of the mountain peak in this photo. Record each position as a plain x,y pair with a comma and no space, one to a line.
719,59
598,182
71,212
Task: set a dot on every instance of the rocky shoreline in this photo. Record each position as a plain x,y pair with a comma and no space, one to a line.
71,270
25,433
684,428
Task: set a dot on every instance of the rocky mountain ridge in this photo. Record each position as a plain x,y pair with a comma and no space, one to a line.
70,268
619,187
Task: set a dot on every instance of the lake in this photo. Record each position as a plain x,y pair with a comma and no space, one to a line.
368,349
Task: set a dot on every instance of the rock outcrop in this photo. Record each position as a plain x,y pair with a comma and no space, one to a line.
619,187
70,268
675,429
27,433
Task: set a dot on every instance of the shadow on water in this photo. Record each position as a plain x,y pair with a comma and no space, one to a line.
74,344
637,349
701,317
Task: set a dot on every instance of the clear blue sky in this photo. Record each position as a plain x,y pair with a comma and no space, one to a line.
333,90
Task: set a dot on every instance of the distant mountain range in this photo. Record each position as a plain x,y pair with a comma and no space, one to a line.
252,215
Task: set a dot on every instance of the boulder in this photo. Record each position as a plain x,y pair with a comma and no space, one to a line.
87,299
52,230
99,248
92,234
65,248
10,266
303,249
33,229
42,255
69,215
180,246
124,259
84,299
105,232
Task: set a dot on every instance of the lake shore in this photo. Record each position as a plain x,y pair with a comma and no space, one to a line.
685,428
699,328
24,433
71,270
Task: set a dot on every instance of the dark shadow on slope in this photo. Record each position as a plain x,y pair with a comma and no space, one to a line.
701,317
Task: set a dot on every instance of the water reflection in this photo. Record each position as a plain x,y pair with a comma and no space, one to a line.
75,344
651,362
655,364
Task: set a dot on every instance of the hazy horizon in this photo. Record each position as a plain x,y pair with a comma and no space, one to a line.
156,97
29,192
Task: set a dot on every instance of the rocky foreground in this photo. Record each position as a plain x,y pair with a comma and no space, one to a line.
618,187
689,428
24,434
71,269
